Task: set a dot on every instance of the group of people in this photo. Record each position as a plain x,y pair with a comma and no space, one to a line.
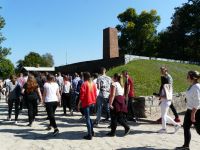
96,94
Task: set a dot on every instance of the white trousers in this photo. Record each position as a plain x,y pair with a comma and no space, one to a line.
164,111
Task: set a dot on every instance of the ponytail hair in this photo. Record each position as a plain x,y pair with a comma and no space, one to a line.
193,75
119,78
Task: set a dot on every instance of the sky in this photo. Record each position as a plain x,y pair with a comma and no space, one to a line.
71,30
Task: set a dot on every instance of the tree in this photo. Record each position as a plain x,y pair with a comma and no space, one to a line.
47,60
182,38
6,67
137,33
34,59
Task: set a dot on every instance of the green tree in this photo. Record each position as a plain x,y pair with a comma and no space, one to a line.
34,59
6,67
182,38
137,33
47,60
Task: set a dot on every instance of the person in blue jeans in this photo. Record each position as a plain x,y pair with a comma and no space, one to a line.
103,85
88,96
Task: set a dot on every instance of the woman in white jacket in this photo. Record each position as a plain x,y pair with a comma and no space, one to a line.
166,98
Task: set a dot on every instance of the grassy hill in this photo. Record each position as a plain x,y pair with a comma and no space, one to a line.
146,75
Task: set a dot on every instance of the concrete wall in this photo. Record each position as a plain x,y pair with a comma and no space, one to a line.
148,106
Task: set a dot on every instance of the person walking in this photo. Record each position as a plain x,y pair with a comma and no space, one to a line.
88,96
117,106
14,92
165,98
65,90
129,93
192,115
51,98
31,93
103,85
164,72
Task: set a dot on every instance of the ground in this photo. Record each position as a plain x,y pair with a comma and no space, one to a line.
143,135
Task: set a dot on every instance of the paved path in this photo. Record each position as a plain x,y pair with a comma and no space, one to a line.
143,135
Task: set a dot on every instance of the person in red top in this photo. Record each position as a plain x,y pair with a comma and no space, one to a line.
129,95
88,94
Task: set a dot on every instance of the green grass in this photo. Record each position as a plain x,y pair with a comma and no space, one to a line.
146,75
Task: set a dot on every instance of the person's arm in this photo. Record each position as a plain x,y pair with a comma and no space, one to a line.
44,95
196,104
112,96
39,94
59,97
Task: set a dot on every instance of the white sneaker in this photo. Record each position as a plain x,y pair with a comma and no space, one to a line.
16,122
162,131
176,128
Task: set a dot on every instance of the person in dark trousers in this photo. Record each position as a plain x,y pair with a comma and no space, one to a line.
192,115
164,73
31,94
129,95
117,106
65,90
14,91
51,98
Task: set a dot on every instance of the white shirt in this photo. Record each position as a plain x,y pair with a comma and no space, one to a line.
193,97
51,90
66,87
95,82
119,90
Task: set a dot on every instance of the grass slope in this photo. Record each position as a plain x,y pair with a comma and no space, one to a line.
146,75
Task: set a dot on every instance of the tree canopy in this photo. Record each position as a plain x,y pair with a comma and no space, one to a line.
6,66
34,59
137,32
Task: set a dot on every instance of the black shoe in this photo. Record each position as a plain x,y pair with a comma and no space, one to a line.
56,131
132,119
127,131
110,134
106,119
30,125
48,128
182,148
93,134
88,137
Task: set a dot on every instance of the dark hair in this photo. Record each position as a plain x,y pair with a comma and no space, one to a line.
95,75
125,72
102,70
193,75
50,77
86,76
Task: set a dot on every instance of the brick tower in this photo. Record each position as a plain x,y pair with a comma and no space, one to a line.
110,43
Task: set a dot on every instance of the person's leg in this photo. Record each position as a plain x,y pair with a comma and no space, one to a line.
88,122
107,108
164,110
30,112
113,123
50,107
121,121
99,109
10,106
64,102
197,123
131,112
17,102
186,126
174,112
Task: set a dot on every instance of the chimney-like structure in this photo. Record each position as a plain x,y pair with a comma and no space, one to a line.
110,43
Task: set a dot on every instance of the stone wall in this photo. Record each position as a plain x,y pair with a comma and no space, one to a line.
148,106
